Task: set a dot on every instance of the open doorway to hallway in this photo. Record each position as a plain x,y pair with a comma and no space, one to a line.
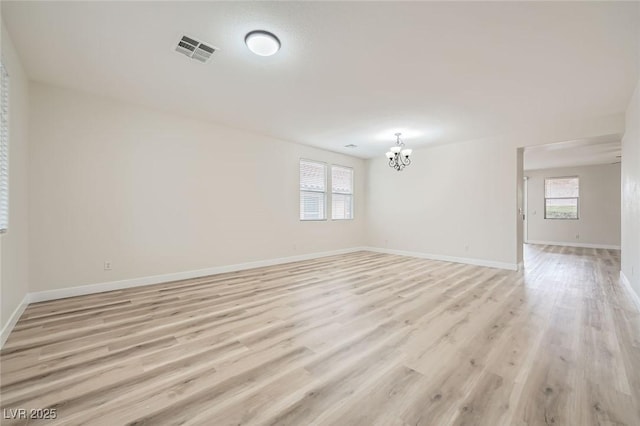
571,193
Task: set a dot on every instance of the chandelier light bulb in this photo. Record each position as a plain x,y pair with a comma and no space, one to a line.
395,149
406,152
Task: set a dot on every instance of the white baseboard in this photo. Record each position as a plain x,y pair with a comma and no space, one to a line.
467,260
42,296
583,245
634,296
13,319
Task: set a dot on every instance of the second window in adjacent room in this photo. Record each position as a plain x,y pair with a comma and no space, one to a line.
561,197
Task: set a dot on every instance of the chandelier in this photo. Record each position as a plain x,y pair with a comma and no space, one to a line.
398,157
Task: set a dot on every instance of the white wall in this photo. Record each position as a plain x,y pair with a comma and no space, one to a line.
456,200
155,193
599,207
631,193
14,268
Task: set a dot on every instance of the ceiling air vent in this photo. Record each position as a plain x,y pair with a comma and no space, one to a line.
195,49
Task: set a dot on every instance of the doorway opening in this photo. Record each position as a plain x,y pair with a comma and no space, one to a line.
569,194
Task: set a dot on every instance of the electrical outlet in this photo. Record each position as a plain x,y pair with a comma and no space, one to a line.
577,236
466,247
107,265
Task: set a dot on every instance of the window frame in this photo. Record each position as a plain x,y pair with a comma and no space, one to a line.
353,177
300,190
561,198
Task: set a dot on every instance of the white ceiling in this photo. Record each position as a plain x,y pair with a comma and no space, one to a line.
583,152
348,72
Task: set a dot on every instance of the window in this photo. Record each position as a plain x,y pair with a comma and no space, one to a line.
313,197
561,198
4,148
341,192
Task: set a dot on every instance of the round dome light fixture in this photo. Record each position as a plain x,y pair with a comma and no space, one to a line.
262,42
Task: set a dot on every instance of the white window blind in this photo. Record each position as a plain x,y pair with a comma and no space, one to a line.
4,149
341,192
561,198
313,186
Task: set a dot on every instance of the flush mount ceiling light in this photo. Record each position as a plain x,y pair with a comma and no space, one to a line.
262,43
398,157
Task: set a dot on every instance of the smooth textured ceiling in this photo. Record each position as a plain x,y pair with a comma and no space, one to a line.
584,152
347,73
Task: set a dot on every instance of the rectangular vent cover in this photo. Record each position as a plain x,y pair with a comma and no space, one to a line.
194,49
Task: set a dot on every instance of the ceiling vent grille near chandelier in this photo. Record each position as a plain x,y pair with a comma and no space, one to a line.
397,156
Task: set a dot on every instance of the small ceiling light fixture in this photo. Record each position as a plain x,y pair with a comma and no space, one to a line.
262,43
398,157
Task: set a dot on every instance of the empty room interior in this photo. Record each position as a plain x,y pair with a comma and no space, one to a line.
320,213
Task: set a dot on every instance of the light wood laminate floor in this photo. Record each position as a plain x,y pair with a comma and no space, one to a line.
357,339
